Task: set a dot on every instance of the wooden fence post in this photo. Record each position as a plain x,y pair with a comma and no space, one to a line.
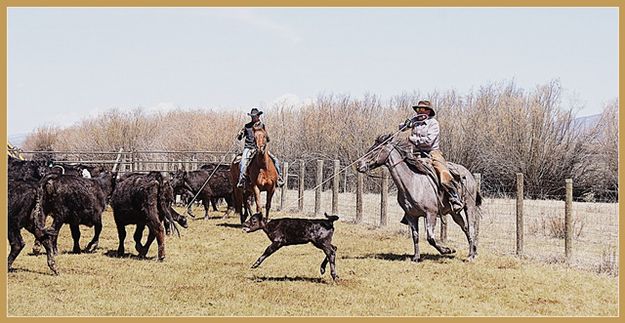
119,156
345,181
384,199
300,193
519,214
133,167
285,174
335,187
568,221
318,186
359,186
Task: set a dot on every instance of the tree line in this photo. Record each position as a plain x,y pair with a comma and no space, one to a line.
497,130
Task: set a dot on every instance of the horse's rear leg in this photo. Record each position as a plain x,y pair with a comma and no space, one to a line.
430,225
464,225
472,230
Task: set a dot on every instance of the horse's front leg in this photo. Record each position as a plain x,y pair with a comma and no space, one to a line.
413,223
257,198
430,225
270,192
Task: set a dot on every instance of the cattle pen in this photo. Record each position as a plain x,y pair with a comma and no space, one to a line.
519,239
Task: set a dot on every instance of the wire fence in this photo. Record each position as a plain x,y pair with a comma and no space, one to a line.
586,238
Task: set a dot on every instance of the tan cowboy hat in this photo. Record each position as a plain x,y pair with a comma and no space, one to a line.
425,104
255,112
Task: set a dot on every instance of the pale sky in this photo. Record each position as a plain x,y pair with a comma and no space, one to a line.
68,64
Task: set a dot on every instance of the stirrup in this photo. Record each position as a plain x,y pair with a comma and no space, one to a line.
456,205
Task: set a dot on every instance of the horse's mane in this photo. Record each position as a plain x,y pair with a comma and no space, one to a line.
401,143
404,146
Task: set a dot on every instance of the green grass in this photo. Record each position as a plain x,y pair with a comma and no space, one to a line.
207,273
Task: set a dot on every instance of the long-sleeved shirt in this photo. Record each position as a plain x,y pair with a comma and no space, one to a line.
248,133
425,134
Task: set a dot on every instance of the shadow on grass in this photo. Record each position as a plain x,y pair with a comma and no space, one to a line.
25,270
403,257
198,218
113,254
230,225
62,252
316,280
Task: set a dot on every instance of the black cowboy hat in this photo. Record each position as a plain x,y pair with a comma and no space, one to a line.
425,104
255,112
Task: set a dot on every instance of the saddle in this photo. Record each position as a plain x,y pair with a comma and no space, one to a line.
422,164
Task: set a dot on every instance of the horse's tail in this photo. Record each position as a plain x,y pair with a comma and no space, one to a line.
478,199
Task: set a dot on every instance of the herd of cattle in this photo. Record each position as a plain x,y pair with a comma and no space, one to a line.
78,195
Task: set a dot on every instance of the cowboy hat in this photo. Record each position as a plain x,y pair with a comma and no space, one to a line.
425,104
255,112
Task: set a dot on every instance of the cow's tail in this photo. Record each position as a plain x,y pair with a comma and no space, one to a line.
39,217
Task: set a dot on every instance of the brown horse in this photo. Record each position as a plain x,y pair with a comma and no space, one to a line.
262,176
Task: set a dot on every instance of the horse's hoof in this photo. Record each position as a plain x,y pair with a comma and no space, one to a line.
449,251
416,259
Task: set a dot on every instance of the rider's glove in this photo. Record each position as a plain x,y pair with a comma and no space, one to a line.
407,124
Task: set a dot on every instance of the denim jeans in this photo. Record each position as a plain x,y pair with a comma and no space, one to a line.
246,157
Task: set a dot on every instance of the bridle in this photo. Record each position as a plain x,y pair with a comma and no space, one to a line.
377,157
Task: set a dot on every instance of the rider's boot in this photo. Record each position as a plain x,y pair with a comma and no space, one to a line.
454,200
241,182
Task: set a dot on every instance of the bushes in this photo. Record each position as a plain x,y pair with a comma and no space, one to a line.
497,130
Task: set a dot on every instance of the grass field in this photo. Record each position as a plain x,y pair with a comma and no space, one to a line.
207,272
595,244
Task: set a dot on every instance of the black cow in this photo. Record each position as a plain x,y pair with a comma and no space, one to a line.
76,200
145,200
76,169
25,213
218,186
26,169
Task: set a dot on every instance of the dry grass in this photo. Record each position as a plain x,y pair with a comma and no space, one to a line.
207,273
595,224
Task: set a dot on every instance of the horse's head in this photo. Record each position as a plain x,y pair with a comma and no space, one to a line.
260,137
377,155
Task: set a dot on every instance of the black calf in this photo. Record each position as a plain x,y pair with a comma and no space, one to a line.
288,231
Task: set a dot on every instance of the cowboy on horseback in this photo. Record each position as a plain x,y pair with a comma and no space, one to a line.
425,138
247,132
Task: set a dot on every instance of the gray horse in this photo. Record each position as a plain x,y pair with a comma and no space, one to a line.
419,196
